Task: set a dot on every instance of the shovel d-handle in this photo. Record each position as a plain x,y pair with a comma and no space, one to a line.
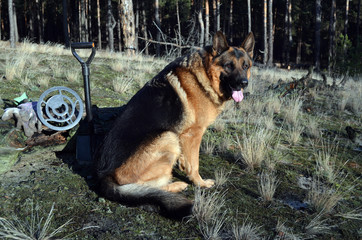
85,72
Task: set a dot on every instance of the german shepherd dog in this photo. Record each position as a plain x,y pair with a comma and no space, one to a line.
163,124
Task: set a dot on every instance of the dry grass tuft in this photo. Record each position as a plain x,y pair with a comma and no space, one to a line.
208,144
317,226
73,75
247,231
221,177
268,183
38,227
122,84
208,212
322,197
284,233
254,147
294,133
292,110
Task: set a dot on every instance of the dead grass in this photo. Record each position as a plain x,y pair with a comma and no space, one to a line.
267,185
317,226
208,212
294,133
245,231
37,228
323,198
254,146
221,177
122,84
291,110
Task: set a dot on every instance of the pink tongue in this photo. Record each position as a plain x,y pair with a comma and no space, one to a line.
238,96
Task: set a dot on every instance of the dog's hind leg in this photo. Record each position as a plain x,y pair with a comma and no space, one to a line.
152,164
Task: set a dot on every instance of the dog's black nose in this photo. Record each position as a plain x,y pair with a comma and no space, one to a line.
244,83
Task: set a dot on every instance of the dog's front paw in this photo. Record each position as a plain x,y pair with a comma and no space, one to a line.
208,183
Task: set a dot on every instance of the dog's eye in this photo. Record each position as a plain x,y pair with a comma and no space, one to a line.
229,66
245,66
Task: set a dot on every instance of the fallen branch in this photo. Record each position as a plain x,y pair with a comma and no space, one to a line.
167,43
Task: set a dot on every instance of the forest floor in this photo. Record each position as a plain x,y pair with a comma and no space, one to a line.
286,167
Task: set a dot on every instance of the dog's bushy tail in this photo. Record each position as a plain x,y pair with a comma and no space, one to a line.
169,204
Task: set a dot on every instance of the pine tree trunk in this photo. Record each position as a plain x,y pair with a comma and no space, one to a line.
16,32
144,27
332,33
99,26
214,14
39,20
11,22
358,22
290,36
207,22
218,15
230,26
299,46
249,17
158,24
346,19
265,56
201,22
128,26
119,31
65,23
110,26
179,27
83,30
89,21
137,25
0,20
271,35
317,34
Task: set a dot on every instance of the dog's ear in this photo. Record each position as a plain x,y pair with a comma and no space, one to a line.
249,44
219,43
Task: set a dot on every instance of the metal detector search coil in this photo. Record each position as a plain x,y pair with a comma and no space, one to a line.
60,108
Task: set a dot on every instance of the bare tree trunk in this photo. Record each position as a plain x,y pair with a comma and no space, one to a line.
346,19
317,34
358,22
89,20
332,33
119,31
39,20
249,17
217,15
137,24
111,23
230,26
207,22
144,26
99,26
83,30
15,24
290,35
11,22
65,23
158,24
214,14
179,27
265,56
128,26
299,46
201,22
271,35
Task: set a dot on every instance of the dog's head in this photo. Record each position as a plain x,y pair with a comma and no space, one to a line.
232,65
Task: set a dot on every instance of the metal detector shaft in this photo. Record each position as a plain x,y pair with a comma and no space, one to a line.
85,72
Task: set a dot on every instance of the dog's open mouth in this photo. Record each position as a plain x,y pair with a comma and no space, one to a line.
238,96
